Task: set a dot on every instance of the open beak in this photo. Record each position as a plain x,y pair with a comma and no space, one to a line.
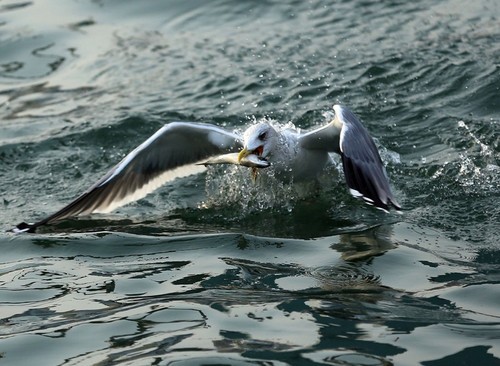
245,152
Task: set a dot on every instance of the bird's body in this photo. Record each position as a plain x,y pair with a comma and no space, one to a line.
182,148
288,160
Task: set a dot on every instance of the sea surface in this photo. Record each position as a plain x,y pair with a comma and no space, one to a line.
209,270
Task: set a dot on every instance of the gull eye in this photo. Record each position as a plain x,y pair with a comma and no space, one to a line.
262,136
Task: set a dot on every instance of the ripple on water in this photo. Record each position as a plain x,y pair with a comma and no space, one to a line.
226,293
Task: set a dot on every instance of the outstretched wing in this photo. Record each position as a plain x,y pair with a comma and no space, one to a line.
364,172
172,152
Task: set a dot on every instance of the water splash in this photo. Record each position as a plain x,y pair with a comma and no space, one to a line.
477,171
485,150
234,186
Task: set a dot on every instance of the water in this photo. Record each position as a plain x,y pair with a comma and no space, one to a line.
182,277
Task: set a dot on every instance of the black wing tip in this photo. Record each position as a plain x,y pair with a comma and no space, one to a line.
369,182
24,227
391,204
376,201
395,204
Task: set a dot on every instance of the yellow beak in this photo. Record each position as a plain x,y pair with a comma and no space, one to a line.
243,153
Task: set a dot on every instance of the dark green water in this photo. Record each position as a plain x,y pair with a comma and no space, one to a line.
183,277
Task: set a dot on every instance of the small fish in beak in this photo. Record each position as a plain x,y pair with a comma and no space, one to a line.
243,158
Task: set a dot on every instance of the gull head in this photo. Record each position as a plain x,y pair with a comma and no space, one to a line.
260,139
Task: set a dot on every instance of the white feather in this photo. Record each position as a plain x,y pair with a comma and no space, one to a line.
154,184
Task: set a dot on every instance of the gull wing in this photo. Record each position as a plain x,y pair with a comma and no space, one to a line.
363,169
172,152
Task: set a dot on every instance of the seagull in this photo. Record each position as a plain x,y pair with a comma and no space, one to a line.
179,149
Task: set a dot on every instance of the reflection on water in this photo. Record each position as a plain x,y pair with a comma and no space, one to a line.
223,295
